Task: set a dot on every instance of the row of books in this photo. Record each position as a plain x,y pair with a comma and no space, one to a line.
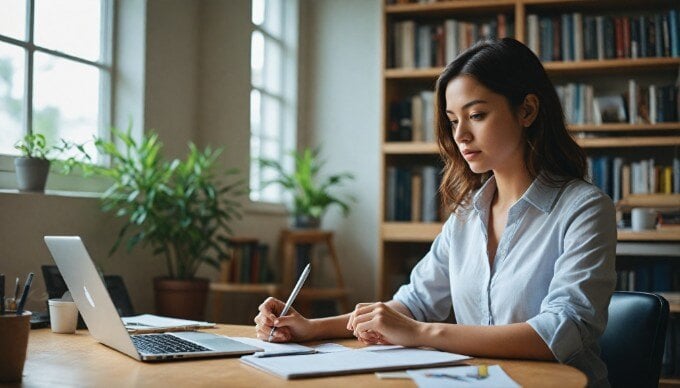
412,118
248,263
434,44
575,37
647,277
618,178
412,194
638,104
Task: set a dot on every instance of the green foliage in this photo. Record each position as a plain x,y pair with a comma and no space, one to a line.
311,197
181,208
33,145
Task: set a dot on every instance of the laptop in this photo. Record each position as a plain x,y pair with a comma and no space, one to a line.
105,325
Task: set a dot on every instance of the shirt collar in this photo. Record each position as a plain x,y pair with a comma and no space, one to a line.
539,194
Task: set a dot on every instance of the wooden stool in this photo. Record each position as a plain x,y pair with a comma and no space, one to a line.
289,239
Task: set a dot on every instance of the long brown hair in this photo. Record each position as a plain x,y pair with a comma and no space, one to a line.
511,69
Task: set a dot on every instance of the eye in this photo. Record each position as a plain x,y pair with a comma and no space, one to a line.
454,124
477,116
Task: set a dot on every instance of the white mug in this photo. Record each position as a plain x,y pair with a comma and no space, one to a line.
63,316
642,218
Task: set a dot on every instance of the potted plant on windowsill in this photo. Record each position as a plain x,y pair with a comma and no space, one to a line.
33,166
311,194
181,208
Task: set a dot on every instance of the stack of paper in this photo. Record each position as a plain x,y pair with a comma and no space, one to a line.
149,323
351,361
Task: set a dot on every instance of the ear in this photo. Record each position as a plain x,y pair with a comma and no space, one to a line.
529,110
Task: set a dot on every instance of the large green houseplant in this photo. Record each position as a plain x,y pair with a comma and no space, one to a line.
180,208
311,192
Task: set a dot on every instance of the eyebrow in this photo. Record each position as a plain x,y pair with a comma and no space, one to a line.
469,104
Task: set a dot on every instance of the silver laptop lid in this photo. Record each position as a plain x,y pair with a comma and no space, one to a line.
89,293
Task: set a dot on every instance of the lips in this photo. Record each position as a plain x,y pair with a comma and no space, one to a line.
469,154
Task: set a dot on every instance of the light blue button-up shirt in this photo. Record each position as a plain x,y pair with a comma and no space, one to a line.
554,269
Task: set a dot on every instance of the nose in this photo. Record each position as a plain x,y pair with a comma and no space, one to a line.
462,133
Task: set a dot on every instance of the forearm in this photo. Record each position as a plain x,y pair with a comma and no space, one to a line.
518,340
330,327
336,327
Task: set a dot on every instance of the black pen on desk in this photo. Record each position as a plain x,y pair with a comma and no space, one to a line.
2,293
24,295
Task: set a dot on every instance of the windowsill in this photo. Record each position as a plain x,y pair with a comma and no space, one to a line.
53,193
265,208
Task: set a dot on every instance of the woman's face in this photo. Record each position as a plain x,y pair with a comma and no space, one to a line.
488,133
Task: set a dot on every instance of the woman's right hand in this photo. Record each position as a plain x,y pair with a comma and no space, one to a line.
292,327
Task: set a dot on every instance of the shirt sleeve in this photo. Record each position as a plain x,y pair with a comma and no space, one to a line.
428,294
573,314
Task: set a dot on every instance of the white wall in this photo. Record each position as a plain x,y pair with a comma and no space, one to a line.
196,88
340,110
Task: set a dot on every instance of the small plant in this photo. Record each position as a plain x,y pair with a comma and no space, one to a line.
34,145
311,194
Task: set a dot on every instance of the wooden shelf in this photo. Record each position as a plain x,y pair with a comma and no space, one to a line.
628,141
646,235
407,148
650,200
595,66
620,127
560,68
254,288
309,293
410,232
477,6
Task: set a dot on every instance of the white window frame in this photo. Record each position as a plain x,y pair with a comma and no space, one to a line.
288,98
106,67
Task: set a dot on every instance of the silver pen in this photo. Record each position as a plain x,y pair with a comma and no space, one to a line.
292,296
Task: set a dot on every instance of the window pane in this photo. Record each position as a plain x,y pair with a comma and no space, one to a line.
256,58
71,27
65,100
13,19
12,60
271,118
273,17
273,66
255,112
258,12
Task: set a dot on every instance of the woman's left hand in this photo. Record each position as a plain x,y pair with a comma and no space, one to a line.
377,323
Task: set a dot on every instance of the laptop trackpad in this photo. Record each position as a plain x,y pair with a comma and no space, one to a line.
214,341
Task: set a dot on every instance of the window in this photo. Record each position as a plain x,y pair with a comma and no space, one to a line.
55,70
273,94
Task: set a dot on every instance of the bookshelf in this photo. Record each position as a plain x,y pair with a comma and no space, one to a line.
404,241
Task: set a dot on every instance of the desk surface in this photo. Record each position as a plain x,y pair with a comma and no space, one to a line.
78,360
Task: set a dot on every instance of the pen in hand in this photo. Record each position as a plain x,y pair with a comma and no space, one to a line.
292,297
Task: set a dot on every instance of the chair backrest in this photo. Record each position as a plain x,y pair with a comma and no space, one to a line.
633,342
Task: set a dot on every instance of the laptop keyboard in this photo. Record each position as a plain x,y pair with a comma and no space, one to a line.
164,343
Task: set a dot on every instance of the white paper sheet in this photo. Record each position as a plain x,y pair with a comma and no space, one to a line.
461,376
275,349
150,322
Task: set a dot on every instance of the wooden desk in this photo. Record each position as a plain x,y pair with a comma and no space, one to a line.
78,360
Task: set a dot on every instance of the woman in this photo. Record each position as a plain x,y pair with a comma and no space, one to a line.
526,260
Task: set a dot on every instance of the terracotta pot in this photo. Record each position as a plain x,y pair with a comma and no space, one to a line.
181,298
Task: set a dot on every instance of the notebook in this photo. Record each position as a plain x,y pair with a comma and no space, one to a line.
352,361
105,325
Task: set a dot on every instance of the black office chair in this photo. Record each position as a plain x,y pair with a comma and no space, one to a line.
633,342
